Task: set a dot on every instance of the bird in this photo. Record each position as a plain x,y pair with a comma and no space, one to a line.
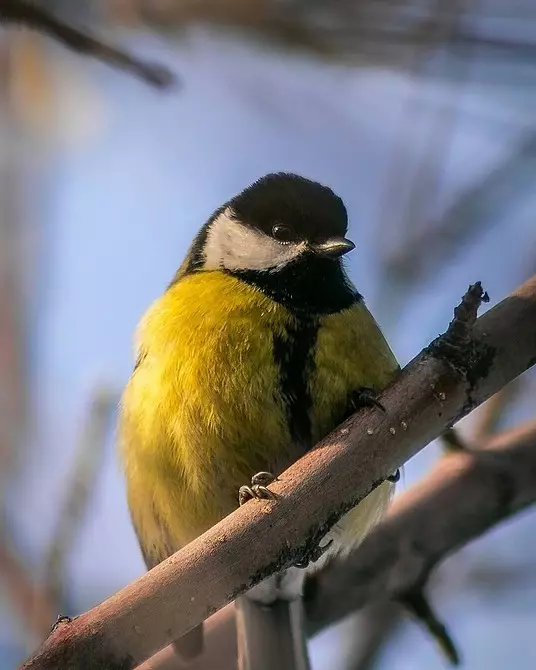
259,347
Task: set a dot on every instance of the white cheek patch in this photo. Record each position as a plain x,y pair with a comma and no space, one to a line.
231,245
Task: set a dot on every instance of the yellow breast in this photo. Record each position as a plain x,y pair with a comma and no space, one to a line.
201,413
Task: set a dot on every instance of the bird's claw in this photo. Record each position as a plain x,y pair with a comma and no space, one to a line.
258,488
262,479
366,397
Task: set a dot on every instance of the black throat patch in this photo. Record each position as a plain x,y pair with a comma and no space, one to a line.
308,287
294,356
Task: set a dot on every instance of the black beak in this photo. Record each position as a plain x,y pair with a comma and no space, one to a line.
334,247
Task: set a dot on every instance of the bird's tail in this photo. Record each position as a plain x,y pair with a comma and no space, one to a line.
271,637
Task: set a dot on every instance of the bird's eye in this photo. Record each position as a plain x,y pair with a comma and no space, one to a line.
282,233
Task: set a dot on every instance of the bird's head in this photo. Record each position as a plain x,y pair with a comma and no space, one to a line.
279,220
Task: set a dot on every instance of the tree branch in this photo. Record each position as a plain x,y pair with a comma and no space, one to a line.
424,526
440,386
466,494
31,16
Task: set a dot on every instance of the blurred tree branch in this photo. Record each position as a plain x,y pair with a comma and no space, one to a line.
392,234
373,31
393,32
35,607
381,620
13,381
27,14
431,521
378,623
456,373
474,210
80,486
37,603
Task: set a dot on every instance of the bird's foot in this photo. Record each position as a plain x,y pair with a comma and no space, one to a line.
311,555
365,397
258,488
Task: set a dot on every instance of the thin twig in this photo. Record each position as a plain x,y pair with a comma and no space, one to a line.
416,603
476,208
80,487
29,15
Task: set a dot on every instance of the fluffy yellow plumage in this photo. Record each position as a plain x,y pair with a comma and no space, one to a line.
200,415
258,349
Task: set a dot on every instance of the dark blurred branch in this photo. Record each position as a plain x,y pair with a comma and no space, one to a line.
372,31
39,19
381,620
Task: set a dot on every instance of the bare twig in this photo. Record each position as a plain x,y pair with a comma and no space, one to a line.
432,392
29,15
416,603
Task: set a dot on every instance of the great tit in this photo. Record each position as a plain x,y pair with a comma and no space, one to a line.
259,347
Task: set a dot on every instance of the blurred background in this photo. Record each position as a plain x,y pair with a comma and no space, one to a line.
419,114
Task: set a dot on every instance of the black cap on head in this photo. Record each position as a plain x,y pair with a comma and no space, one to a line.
285,236
313,211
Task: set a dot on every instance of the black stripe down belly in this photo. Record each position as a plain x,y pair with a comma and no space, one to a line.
294,356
